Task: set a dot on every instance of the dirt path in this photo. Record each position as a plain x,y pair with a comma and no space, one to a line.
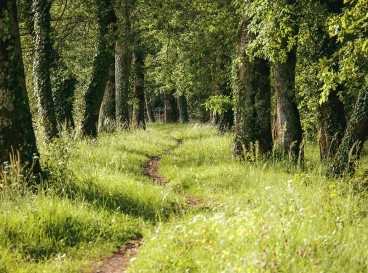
119,262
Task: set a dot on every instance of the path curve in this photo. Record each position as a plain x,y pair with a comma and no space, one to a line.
119,262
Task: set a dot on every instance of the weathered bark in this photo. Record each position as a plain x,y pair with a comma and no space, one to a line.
106,122
63,101
16,130
139,121
100,70
183,109
41,67
150,113
287,127
252,100
355,135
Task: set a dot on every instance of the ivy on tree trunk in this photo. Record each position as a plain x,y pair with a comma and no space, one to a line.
355,135
41,66
100,68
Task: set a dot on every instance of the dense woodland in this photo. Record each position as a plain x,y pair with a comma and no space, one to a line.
277,72
277,75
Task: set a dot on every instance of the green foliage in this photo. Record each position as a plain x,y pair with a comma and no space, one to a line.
219,104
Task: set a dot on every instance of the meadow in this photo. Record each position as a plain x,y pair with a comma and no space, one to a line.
261,216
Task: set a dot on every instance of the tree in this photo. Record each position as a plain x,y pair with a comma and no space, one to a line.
41,67
107,120
139,109
252,99
100,71
123,63
183,108
16,130
352,57
355,135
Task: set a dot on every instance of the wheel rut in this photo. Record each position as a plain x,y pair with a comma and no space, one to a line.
119,262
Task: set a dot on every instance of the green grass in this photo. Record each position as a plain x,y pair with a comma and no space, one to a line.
261,217
266,216
95,199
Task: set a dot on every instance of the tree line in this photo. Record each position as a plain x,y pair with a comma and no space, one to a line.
273,72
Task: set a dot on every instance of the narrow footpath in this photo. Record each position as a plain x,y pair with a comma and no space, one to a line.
119,262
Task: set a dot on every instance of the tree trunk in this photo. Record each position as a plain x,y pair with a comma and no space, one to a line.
100,70
150,113
332,124
263,130
41,66
183,109
123,65
244,96
171,108
106,122
63,101
122,80
355,135
252,101
139,87
287,127
16,130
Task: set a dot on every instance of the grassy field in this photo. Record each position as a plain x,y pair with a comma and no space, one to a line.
266,216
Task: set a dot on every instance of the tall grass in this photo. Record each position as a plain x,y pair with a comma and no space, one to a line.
94,198
263,217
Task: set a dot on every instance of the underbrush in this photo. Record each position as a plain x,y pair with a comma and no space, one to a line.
265,216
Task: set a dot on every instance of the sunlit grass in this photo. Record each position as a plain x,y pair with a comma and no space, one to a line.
266,216
95,198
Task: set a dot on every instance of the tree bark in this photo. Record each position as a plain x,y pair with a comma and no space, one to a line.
107,121
122,80
123,66
183,109
41,67
171,108
263,130
64,100
16,130
252,101
355,135
332,124
139,87
100,70
150,113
